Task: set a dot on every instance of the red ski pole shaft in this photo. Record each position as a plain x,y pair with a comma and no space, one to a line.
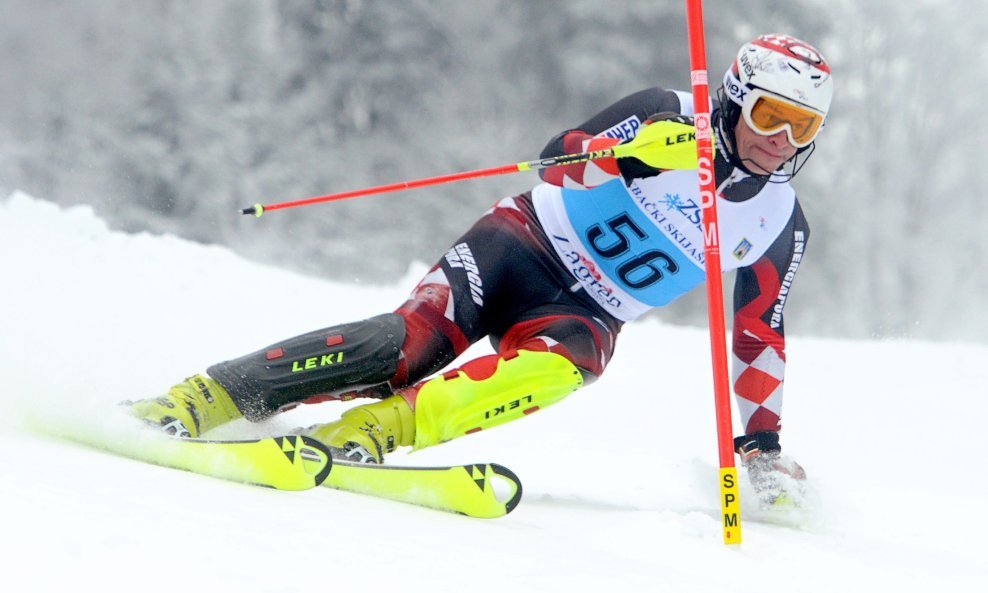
259,209
711,250
663,145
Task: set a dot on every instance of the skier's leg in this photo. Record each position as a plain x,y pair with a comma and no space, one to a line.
359,356
432,340
540,362
349,357
489,391
499,279
369,358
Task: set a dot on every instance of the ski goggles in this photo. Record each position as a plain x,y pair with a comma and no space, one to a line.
766,114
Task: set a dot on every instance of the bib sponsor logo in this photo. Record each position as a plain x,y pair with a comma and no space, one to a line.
584,270
688,208
658,210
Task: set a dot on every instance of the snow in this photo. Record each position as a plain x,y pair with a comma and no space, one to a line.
620,479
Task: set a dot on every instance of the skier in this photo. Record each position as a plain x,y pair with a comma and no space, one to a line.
551,275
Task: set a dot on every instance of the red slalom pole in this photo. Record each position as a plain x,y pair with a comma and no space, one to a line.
711,250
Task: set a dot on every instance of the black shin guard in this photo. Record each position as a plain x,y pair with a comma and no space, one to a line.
333,360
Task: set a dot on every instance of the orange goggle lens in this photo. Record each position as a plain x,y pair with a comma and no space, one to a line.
768,115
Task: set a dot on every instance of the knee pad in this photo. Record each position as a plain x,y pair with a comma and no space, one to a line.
341,358
455,404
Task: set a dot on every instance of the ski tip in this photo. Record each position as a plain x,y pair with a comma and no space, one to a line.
514,484
319,453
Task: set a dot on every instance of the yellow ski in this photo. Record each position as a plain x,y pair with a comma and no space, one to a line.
299,462
483,490
285,462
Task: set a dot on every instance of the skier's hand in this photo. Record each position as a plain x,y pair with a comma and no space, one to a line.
631,167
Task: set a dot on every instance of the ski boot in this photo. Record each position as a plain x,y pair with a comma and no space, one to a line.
777,480
189,409
365,433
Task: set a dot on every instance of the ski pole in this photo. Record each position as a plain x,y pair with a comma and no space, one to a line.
665,144
711,251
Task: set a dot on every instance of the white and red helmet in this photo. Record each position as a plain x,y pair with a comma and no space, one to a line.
780,67
784,66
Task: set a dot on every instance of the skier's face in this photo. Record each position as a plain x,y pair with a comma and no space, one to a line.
762,155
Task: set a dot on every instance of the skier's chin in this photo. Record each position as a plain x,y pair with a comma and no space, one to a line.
762,162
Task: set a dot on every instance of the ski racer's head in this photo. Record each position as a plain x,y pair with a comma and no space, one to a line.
773,103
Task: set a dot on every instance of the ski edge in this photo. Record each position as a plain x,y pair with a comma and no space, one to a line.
466,489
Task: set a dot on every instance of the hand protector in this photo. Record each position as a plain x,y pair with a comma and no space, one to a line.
632,167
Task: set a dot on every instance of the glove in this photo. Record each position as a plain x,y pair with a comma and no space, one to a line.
631,167
776,479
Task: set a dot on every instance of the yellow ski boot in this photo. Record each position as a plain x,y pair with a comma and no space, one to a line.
189,409
365,433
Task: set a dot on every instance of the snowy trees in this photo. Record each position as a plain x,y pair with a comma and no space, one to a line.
171,116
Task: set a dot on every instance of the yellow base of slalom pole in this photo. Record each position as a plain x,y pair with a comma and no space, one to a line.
729,505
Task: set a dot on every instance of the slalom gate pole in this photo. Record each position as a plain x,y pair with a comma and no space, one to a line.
715,296
663,145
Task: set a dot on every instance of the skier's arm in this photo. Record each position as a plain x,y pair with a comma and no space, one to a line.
760,295
615,124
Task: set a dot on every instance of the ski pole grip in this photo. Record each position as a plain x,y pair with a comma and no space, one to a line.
257,210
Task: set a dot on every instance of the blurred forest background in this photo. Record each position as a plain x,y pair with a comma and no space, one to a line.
171,115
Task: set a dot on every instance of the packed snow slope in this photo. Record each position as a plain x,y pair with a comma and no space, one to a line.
620,479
